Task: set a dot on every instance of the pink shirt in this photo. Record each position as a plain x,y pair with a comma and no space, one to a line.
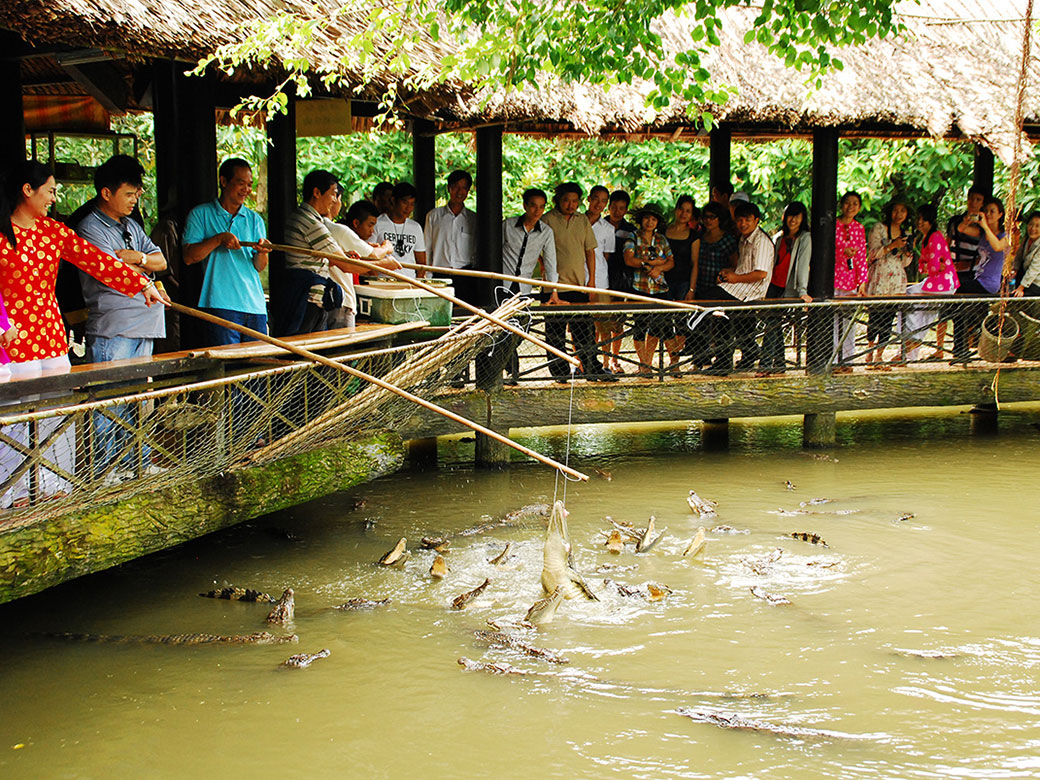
937,263
850,235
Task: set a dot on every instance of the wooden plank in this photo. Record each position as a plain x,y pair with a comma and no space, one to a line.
700,398
330,339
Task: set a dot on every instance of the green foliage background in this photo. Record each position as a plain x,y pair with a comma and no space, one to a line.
773,173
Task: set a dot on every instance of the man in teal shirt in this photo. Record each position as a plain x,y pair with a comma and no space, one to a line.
214,234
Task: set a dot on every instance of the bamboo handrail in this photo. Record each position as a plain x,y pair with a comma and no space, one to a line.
684,305
305,353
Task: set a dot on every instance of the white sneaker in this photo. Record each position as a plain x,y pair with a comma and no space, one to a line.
117,477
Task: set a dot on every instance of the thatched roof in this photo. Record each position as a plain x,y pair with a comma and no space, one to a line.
953,72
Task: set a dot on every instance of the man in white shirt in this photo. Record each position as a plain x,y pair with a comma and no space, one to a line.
404,234
451,233
526,241
354,238
605,246
749,281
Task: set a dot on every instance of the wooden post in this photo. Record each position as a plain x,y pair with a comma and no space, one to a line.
282,196
715,434
424,167
719,144
819,333
818,430
984,419
12,126
489,209
422,453
983,169
185,168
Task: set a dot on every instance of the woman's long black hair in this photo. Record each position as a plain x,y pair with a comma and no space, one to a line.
795,207
30,172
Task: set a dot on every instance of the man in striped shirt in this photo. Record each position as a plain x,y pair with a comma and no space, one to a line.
310,292
749,281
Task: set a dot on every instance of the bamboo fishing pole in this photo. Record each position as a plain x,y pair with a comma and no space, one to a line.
685,306
428,288
306,353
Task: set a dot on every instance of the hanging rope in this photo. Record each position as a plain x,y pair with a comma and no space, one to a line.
1014,181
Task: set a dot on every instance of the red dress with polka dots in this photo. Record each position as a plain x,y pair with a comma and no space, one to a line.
28,275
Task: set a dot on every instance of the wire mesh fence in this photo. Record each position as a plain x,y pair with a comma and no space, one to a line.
772,337
55,459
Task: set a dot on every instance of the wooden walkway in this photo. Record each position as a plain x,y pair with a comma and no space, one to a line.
700,397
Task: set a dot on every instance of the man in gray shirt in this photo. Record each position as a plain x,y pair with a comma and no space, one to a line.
119,327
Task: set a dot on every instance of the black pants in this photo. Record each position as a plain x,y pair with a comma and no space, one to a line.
967,318
737,330
315,319
582,333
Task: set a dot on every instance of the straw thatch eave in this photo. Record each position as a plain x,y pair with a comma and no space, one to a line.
952,73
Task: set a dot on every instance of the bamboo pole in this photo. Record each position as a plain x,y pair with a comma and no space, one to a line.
430,289
305,353
557,286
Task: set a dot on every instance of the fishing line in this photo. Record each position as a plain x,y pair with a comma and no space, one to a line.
567,451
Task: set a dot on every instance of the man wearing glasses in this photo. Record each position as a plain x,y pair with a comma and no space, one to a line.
119,327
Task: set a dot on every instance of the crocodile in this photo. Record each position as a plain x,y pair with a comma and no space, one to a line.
285,610
731,720
303,660
696,544
806,536
256,638
557,568
521,516
501,639
770,598
479,666
439,568
438,543
238,594
543,611
462,600
615,544
396,555
358,604
704,507
647,540
502,557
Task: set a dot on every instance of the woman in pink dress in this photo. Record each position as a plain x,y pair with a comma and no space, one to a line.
936,265
850,274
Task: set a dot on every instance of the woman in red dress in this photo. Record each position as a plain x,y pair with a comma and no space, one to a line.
31,247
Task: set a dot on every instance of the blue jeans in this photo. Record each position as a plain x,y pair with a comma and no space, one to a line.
109,436
219,335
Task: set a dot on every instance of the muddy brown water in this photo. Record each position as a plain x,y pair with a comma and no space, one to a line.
910,649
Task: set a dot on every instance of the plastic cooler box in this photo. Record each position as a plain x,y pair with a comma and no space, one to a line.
394,305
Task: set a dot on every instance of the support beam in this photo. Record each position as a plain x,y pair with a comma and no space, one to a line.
715,434
818,430
12,115
185,168
719,144
821,264
424,167
282,196
489,207
983,170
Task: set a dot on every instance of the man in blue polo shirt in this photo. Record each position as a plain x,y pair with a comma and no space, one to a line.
214,233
